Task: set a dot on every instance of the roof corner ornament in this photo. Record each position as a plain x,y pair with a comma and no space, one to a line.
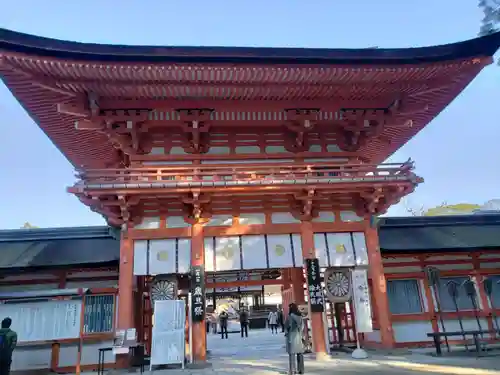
299,122
196,124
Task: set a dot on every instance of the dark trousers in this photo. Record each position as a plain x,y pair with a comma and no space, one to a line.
244,329
223,331
298,366
300,363
5,366
274,328
282,324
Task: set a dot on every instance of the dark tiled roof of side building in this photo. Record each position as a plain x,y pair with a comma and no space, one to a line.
58,247
440,233
92,246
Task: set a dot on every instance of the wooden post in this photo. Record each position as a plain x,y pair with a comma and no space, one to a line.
316,318
379,286
125,291
297,284
199,329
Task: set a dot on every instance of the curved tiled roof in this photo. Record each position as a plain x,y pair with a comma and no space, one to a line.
58,247
47,47
43,72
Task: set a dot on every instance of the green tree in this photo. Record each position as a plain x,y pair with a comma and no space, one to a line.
28,226
444,209
491,19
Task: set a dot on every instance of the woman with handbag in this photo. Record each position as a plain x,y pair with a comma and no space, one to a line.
294,327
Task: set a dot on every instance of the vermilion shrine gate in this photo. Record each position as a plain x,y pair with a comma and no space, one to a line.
238,158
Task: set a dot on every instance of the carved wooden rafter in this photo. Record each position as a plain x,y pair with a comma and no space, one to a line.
126,129
299,123
360,124
196,207
304,208
196,125
117,210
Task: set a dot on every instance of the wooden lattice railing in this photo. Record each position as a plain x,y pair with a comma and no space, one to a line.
244,175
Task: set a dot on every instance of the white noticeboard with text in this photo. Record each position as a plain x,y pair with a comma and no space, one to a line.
44,321
362,302
168,339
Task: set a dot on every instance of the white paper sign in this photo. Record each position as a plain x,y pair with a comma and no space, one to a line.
362,302
168,341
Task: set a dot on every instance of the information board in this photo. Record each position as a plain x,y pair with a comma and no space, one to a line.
168,339
316,297
197,293
44,321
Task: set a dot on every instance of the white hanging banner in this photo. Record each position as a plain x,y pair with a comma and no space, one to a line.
362,303
168,339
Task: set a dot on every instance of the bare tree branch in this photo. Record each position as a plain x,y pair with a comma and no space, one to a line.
491,20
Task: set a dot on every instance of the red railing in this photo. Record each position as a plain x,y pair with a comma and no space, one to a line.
244,175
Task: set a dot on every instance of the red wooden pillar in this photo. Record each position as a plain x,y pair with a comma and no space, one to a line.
316,318
297,284
379,286
199,335
125,290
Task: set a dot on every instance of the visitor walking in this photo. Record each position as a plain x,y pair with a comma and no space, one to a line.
223,319
293,334
244,321
8,342
213,322
281,319
273,321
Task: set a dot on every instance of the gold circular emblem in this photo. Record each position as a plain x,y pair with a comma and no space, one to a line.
279,250
162,256
227,252
340,248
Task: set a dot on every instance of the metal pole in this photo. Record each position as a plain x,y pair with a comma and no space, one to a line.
190,329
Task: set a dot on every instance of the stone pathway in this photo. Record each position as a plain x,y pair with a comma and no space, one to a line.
263,354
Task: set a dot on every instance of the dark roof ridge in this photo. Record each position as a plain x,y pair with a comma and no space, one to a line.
41,234
17,42
444,220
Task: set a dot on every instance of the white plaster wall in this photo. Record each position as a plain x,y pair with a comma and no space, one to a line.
31,357
90,353
273,299
373,336
412,331
468,324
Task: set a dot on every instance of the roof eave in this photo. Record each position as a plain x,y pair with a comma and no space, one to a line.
47,234
445,220
15,42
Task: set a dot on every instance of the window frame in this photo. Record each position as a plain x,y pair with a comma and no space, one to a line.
87,314
419,293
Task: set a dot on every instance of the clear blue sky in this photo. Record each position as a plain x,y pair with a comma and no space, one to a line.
457,153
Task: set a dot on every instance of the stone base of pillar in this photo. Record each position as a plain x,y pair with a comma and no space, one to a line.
322,357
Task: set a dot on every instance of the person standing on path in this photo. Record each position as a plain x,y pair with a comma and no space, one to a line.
223,319
273,321
294,327
244,321
8,342
281,318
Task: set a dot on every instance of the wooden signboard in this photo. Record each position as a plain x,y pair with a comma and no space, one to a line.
197,293
316,297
